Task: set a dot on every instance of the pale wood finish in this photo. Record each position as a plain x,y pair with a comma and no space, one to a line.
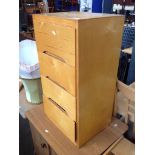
59,95
56,31
59,44
98,51
132,85
127,91
112,146
53,152
95,41
53,20
56,36
60,119
63,146
72,16
47,133
58,71
68,58
125,147
125,101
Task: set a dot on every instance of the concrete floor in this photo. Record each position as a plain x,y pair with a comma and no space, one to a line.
25,138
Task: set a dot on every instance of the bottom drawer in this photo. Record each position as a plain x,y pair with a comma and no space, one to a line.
56,114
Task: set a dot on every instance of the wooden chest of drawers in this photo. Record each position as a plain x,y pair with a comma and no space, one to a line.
78,55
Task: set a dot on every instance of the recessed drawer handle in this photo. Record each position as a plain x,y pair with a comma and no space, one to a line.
57,105
54,56
54,33
55,82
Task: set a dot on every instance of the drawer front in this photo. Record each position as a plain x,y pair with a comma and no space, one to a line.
60,96
58,37
59,118
54,67
56,31
64,56
59,44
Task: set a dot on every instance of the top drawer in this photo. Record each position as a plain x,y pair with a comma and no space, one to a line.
57,36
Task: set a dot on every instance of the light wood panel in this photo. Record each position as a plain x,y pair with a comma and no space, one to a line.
68,58
95,41
57,31
125,103
107,152
59,44
50,33
53,20
127,91
99,42
72,16
60,96
60,119
54,67
125,147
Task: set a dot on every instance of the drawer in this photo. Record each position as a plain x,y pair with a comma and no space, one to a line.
57,43
59,118
64,56
60,38
57,31
60,72
60,96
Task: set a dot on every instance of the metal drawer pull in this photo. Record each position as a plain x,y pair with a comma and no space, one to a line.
54,56
57,105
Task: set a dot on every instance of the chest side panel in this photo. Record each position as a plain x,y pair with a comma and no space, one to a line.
99,42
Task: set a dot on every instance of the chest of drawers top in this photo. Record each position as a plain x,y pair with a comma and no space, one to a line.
70,18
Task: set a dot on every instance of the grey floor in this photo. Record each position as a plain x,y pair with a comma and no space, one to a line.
25,138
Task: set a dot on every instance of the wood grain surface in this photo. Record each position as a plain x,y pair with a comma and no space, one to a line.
59,118
125,147
60,96
58,71
90,43
98,50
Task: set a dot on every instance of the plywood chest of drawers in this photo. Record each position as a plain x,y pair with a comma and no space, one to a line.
78,55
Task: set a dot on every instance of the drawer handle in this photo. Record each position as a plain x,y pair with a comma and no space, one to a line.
57,105
55,82
54,33
54,56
